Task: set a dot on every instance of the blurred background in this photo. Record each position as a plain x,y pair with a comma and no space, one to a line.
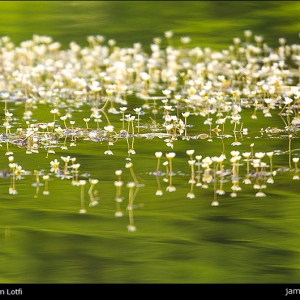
207,23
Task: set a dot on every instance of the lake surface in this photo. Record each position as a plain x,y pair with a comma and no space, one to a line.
46,236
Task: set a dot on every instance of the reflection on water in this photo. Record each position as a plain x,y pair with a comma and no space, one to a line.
179,164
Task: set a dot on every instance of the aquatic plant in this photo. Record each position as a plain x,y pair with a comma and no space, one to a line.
189,96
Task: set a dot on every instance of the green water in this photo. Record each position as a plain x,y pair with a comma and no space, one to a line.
208,23
246,239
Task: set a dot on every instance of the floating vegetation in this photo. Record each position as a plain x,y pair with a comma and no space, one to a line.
171,94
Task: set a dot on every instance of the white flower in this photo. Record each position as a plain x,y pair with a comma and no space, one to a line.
131,151
260,194
118,183
236,119
93,203
13,191
246,155
109,128
123,109
207,177
108,152
170,155
171,188
185,114
259,155
118,172
54,166
220,192
131,228
247,180
65,158
247,33
128,165
185,39
131,184
191,162
54,111
118,214
235,153
137,110
236,143
168,34
119,199
190,195
287,100
190,152
75,166
158,154
93,181
159,193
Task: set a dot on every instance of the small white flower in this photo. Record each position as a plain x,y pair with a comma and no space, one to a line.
190,195
190,152
168,34
260,194
109,128
128,165
118,214
82,182
158,154
247,180
108,152
13,191
259,155
131,228
131,184
170,155
171,188
220,192
93,203
131,151
118,172
118,183
185,114
159,193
